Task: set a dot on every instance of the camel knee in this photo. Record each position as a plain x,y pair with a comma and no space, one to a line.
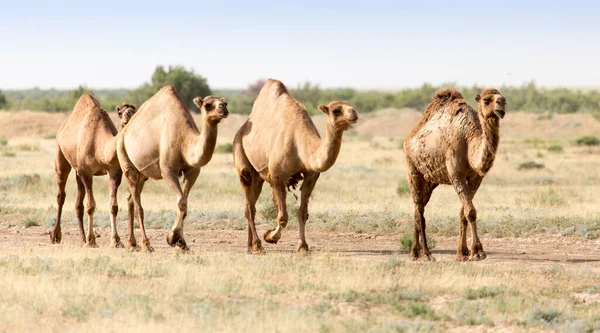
182,205
470,214
114,209
90,208
60,197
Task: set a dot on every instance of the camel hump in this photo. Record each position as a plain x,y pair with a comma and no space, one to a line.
87,103
168,89
447,99
447,95
274,88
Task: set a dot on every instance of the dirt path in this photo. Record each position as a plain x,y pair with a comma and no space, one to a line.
532,251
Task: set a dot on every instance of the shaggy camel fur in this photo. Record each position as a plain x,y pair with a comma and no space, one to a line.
162,141
455,145
86,142
280,144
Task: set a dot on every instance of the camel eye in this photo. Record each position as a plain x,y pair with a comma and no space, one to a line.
337,112
208,106
486,101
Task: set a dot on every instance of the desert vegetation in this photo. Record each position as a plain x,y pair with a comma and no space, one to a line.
360,229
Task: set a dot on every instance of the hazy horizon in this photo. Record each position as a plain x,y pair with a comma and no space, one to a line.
378,45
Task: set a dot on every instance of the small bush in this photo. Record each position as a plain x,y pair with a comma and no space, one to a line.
588,140
483,292
3,142
529,165
50,137
536,142
403,188
30,222
406,242
8,154
544,316
555,149
28,147
224,148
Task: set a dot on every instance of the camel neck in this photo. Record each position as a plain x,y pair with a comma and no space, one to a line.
203,145
487,144
326,150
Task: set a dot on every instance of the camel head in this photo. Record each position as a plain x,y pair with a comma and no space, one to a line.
340,114
491,103
125,112
213,109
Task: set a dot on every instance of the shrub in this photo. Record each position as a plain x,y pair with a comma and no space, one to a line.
30,222
555,149
3,142
403,188
224,148
530,165
406,242
588,140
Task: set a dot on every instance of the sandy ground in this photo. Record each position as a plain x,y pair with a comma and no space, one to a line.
531,251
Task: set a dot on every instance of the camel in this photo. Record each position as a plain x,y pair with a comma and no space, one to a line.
162,141
280,144
86,143
454,145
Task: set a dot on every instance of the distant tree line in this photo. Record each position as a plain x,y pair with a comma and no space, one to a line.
527,97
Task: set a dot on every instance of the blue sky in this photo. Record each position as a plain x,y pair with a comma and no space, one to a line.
361,44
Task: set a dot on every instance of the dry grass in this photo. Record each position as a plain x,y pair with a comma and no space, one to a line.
106,290
100,291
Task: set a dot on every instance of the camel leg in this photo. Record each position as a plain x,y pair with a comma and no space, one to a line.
462,252
279,194
131,242
113,185
421,192
308,185
79,207
175,236
89,209
252,186
62,168
465,194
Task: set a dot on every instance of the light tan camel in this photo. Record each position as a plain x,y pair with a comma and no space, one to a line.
280,144
162,141
86,142
456,145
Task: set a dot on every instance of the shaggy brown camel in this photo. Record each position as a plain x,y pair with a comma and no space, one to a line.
162,141
86,142
280,144
453,144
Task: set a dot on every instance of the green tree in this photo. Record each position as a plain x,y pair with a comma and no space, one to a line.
187,83
3,101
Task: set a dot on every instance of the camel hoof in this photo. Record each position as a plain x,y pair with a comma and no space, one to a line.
270,239
182,246
90,244
302,249
115,243
428,257
173,238
146,247
462,257
256,250
55,236
478,256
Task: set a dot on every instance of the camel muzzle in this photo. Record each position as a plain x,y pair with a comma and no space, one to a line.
500,113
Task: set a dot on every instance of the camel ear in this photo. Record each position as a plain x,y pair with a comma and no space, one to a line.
119,111
477,98
324,108
198,101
